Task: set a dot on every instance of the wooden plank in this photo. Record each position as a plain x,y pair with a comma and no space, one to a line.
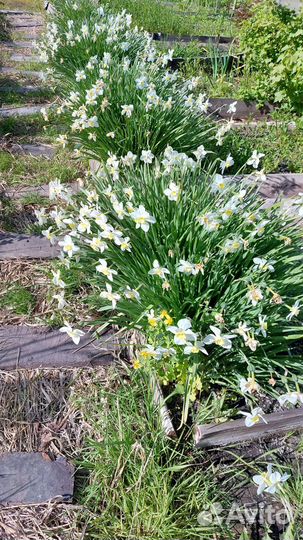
244,110
158,36
43,190
24,246
235,432
21,90
27,110
25,58
164,413
18,44
287,185
22,73
33,478
291,4
35,150
23,347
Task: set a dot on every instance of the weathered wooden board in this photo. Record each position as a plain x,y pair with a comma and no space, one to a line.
235,432
24,246
33,478
158,36
43,190
287,185
14,12
18,44
244,110
21,90
25,58
27,110
23,347
22,73
36,150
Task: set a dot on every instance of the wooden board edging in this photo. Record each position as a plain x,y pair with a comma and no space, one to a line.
25,347
235,432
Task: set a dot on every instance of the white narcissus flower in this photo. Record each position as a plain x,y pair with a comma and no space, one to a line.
57,279
232,108
186,267
263,325
254,159
41,216
227,163
270,481
217,338
252,343
132,294
254,295
294,310
200,153
210,221
68,245
253,417
80,75
182,332
263,265
158,270
249,385
110,295
147,156
105,270
219,184
194,348
55,189
127,110
62,139
74,334
291,397
61,300
124,244
97,244
50,235
129,159
142,218
172,192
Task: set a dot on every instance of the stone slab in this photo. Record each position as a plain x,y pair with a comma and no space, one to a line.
33,478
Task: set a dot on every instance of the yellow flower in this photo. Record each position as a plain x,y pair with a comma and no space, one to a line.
168,319
136,364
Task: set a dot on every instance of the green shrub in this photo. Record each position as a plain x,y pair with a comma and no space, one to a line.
272,40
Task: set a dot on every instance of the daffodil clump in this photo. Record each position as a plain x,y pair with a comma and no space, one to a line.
118,93
194,259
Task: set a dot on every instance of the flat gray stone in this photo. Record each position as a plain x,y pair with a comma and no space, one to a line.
33,478
22,73
22,111
24,347
26,246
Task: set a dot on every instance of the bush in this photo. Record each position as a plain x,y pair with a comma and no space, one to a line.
171,243
272,41
118,94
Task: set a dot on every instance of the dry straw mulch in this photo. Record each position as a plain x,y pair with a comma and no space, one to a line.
39,411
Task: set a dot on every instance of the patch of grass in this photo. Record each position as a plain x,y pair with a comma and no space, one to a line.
196,19
27,5
282,145
19,299
29,127
140,484
33,171
12,97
